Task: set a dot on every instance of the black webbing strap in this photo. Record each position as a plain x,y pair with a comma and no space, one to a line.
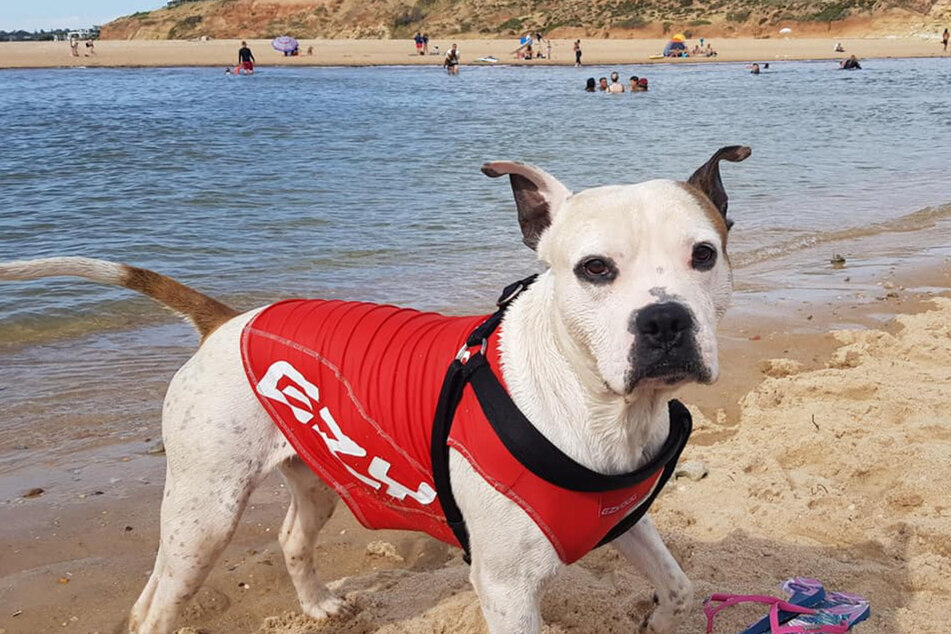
452,387
457,376
526,444
509,293
544,459
679,417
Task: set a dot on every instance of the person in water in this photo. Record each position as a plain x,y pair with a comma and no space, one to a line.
754,69
851,64
616,86
642,84
603,84
632,83
591,85
452,61
245,60
944,39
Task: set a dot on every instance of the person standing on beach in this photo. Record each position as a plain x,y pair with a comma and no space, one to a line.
425,44
245,60
577,52
944,39
418,38
451,63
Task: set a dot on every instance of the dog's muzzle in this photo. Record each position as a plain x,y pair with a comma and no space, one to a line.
665,346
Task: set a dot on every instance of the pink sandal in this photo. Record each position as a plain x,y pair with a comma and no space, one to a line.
809,609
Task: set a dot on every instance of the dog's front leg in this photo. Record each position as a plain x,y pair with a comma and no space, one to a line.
511,557
643,547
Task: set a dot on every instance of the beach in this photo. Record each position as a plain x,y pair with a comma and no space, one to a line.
808,440
154,53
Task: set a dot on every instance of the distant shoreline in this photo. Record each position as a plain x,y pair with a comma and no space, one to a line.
356,53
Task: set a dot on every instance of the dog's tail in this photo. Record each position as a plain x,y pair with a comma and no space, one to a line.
205,313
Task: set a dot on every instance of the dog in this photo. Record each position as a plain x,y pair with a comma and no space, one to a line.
636,279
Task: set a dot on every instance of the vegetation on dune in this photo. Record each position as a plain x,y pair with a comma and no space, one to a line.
402,18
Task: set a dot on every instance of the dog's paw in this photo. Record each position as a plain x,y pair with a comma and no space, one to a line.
331,607
654,623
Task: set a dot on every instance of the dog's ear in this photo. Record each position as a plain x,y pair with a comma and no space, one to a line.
538,195
707,178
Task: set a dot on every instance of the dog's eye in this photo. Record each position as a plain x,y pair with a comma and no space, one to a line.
704,257
598,270
595,268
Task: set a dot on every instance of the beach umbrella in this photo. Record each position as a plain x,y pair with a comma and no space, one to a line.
785,30
678,38
284,43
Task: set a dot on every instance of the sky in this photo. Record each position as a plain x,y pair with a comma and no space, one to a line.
31,15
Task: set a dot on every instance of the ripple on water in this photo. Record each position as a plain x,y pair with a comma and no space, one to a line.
364,183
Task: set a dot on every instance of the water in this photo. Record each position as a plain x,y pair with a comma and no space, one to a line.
364,182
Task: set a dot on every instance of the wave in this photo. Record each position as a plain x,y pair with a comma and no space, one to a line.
915,221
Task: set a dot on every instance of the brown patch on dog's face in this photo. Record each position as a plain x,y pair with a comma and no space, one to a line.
716,218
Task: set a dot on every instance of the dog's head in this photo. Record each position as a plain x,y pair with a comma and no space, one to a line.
641,273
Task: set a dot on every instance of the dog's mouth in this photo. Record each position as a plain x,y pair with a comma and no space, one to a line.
668,375
667,368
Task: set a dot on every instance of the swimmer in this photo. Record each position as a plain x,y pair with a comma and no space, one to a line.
616,86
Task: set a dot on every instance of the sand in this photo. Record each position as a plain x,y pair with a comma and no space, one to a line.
827,456
382,52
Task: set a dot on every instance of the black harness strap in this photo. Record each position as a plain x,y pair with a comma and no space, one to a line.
526,443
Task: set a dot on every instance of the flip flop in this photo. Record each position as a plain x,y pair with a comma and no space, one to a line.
836,613
803,593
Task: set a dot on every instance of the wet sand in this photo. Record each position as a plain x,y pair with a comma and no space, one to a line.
809,475
396,52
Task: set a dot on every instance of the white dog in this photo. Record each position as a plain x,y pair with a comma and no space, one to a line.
626,311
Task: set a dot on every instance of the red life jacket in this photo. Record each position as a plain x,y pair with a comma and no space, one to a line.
354,388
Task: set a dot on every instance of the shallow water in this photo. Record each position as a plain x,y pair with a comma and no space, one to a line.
364,183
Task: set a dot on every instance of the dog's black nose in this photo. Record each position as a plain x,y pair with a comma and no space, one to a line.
663,325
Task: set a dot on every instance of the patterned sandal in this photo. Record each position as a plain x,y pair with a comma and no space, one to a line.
838,612
803,593
832,613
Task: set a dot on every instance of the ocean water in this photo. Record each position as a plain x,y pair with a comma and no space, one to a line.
364,183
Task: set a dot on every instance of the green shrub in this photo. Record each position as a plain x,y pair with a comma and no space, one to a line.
738,16
512,24
699,23
831,13
633,22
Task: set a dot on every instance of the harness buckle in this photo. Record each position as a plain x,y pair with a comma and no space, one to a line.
512,291
464,353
